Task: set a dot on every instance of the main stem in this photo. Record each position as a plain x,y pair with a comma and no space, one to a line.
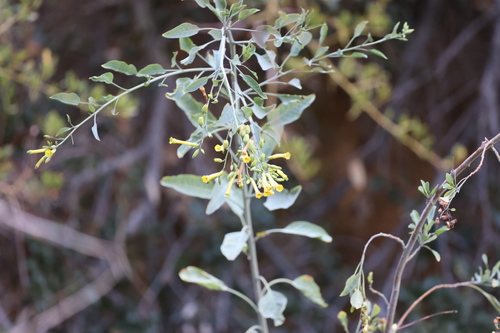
254,264
396,286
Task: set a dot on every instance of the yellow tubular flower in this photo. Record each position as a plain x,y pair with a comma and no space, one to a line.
229,186
48,153
245,158
219,148
192,144
276,186
286,155
208,178
258,194
268,189
282,174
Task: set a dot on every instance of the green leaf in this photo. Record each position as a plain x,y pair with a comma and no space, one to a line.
272,305
106,78
287,113
357,55
323,32
254,85
378,53
492,299
203,3
303,228
434,253
196,84
359,29
152,69
218,198
216,34
357,299
191,185
234,243
266,60
196,275
62,131
415,216
71,98
304,38
308,287
121,67
183,30
283,199
350,284
262,33
246,13
449,179
94,130
342,317
295,83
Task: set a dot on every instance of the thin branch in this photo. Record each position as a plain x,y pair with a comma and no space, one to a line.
428,317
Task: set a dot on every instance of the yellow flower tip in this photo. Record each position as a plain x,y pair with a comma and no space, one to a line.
279,188
286,156
268,193
49,153
258,195
282,174
212,176
219,148
246,159
36,151
181,142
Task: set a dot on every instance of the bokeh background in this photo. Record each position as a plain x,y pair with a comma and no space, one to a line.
91,243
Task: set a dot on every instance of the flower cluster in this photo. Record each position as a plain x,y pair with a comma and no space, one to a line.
48,152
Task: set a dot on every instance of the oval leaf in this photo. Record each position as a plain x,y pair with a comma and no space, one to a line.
359,28
121,67
153,69
196,84
272,305
182,30
350,284
106,78
254,85
234,243
196,275
287,113
71,98
191,185
307,286
378,53
283,199
303,228
357,299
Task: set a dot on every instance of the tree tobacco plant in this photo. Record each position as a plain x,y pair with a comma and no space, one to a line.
234,111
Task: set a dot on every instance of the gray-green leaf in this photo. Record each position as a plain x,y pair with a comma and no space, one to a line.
283,199
196,275
359,28
272,305
234,243
308,287
182,30
152,69
106,78
71,98
287,113
254,85
303,228
191,185
357,299
121,67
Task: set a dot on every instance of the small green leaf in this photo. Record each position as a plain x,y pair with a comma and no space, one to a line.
196,84
295,83
272,305
303,228
350,284
152,69
203,3
266,60
234,243
415,216
323,32
191,185
196,275
121,67
357,55
435,253
342,317
216,34
304,38
94,130
283,199
62,131
449,179
492,299
71,98
359,29
182,30
106,78
357,299
308,287
246,13
378,53
254,85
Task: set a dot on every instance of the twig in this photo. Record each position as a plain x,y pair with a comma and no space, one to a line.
428,317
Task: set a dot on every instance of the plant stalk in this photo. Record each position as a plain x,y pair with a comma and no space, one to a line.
396,285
